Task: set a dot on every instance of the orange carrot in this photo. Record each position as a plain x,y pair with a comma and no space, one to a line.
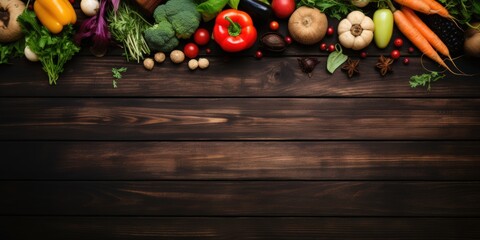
417,38
431,37
417,5
438,8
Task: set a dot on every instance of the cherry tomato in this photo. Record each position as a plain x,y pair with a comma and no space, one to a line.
331,48
406,61
398,42
191,50
330,31
274,25
201,36
258,54
395,54
411,49
283,8
363,55
288,40
323,46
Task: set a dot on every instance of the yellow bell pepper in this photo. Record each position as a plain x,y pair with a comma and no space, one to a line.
54,14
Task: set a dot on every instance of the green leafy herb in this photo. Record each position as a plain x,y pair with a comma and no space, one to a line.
335,59
332,8
425,79
463,10
53,50
211,8
117,74
127,26
11,50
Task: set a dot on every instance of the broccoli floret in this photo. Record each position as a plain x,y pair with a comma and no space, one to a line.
160,14
161,37
181,14
184,23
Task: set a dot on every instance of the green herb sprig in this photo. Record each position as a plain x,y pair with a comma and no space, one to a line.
425,79
52,50
127,27
332,8
117,74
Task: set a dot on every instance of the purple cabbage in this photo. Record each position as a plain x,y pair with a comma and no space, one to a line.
96,29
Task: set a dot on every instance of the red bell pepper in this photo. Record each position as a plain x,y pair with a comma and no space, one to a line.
234,30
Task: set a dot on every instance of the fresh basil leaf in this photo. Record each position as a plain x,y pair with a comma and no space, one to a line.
335,59
211,8
233,3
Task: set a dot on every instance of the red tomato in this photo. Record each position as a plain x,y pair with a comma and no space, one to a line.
283,8
201,36
191,50
395,54
398,42
274,25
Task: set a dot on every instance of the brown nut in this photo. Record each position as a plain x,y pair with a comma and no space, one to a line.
273,41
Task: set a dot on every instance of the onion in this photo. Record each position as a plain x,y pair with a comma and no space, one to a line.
472,40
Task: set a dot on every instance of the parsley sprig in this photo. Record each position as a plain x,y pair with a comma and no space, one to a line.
425,80
332,8
53,50
117,74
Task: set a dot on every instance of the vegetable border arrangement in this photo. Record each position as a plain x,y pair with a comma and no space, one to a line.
149,31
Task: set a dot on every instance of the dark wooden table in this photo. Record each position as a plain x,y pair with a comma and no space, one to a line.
245,149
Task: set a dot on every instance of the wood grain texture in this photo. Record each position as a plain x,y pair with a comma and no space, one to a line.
240,198
238,118
326,160
293,228
226,77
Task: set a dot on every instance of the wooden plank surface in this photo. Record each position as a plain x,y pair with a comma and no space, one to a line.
238,118
275,76
241,198
258,160
247,149
293,228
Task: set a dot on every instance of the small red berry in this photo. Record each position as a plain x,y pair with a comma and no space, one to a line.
323,46
411,49
395,54
330,31
208,50
258,54
288,40
406,61
331,48
363,55
398,42
72,1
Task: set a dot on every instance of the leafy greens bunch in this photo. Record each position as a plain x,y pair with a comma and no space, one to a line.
52,50
465,11
333,8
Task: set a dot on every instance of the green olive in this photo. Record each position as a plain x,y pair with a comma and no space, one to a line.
383,20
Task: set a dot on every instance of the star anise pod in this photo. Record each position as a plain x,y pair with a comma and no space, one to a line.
351,67
384,65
